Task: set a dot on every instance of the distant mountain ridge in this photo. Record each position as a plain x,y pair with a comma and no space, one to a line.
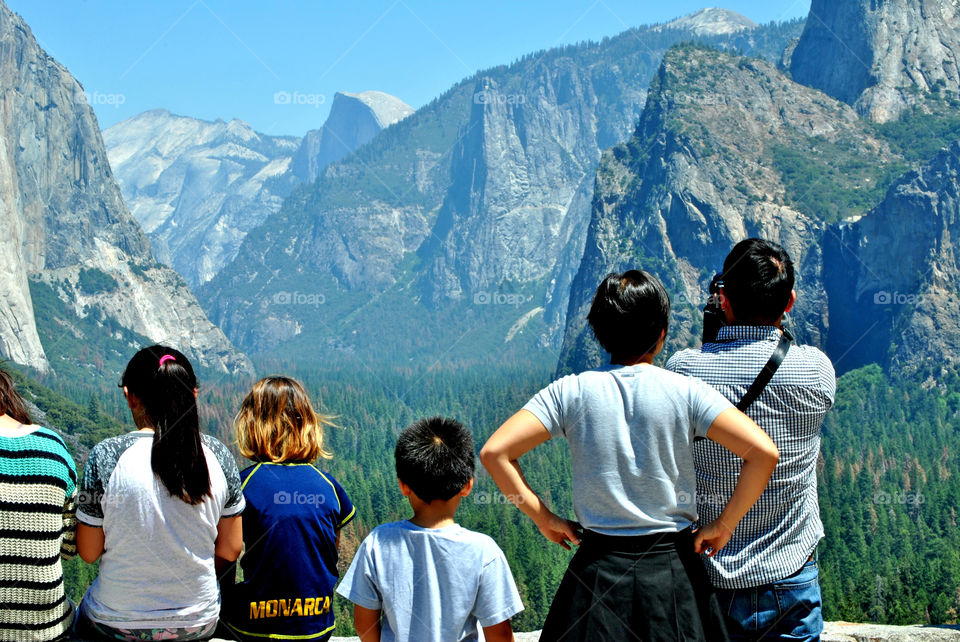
199,187
70,234
712,22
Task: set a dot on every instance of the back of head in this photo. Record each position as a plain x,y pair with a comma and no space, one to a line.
277,423
164,382
435,458
629,312
758,280
11,403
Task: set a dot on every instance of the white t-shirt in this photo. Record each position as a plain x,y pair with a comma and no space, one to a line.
157,568
432,584
631,429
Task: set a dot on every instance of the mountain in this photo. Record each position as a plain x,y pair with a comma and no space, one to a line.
727,148
353,121
198,187
71,236
910,304
457,231
882,54
712,22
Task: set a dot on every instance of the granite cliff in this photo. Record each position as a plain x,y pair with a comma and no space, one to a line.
727,147
881,53
69,228
894,274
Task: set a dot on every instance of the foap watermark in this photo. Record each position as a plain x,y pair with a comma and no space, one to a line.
297,98
485,97
700,499
299,298
907,499
96,98
884,297
296,498
501,298
485,498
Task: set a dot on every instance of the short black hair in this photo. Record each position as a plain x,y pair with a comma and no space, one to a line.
629,312
758,279
435,458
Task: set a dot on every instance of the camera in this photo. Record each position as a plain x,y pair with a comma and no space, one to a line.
713,316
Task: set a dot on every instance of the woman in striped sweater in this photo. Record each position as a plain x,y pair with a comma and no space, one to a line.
38,482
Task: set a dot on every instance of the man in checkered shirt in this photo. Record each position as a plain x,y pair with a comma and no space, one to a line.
766,577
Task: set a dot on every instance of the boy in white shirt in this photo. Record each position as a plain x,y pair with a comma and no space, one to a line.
427,578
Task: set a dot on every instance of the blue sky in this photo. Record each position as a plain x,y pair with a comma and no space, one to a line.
229,58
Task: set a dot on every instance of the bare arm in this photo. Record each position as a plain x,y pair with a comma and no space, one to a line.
502,632
522,433
367,623
229,542
740,435
89,542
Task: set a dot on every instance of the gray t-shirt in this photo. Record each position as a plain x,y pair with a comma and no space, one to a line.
157,568
431,584
630,429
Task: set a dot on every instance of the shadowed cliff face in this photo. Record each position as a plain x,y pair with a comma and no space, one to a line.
894,275
715,159
66,215
875,54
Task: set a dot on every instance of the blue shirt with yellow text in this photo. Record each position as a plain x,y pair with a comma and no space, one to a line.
290,561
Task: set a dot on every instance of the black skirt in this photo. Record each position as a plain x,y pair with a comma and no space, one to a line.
652,588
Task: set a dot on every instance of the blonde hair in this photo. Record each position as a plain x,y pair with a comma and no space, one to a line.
277,423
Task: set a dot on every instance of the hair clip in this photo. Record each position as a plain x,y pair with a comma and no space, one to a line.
165,358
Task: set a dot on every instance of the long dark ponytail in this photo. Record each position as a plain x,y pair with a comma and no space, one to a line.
11,403
164,382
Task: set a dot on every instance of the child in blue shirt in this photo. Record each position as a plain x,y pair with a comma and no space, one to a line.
292,521
429,579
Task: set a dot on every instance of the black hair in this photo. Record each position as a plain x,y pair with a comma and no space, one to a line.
758,280
164,382
435,458
11,403
629,312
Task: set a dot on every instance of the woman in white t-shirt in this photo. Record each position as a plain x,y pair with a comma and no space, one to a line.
160,507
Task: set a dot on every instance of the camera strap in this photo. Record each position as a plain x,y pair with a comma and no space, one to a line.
767,373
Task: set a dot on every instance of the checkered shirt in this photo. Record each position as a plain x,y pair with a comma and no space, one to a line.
782,530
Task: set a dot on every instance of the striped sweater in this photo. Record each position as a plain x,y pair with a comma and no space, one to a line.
38,482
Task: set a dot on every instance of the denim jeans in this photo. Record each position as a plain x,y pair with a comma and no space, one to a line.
786,610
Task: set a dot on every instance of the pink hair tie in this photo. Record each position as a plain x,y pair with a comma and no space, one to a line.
165,358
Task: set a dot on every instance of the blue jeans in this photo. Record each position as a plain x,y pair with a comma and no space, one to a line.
786,610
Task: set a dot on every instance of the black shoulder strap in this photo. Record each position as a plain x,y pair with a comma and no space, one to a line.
767,373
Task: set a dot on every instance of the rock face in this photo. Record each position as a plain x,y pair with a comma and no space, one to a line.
710,164
353,121
198,187
65,216
910,303
881,52
459,221
712,22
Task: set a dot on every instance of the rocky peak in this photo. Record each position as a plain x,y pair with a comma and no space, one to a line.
881,53
353,121
67,223
712,22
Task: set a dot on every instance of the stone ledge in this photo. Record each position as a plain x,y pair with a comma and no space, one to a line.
835,632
